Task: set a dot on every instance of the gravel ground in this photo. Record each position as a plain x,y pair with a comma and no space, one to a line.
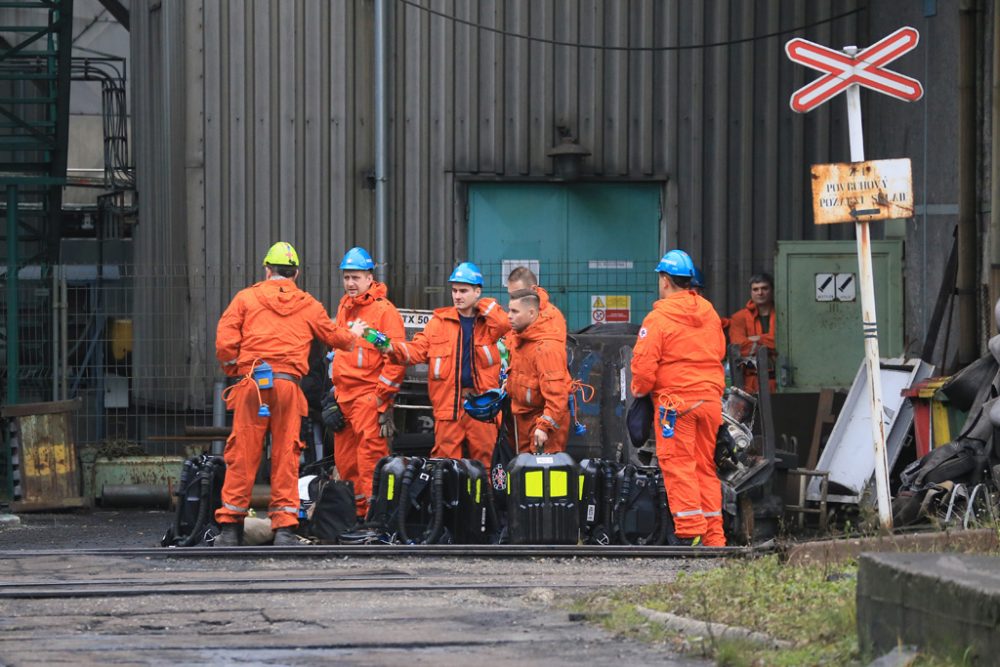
351,610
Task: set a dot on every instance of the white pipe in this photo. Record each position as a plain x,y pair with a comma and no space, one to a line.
381,147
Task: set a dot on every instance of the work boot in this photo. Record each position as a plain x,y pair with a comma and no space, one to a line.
675,541
230,535
286,537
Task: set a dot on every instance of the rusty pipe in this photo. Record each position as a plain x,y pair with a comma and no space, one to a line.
965,285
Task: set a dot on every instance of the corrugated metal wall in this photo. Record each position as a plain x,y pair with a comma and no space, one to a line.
253,122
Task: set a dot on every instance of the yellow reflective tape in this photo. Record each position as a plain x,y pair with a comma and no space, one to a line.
262,382
558,483
533,484
468,486
392,487
580,487
479,487
508,484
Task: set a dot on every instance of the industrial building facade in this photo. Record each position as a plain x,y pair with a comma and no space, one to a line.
256,121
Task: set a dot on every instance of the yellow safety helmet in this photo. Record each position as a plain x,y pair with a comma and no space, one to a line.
281,254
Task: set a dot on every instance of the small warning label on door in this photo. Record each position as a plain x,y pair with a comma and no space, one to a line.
610,308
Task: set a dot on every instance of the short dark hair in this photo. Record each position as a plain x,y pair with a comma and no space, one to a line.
526,294
523,274
684,282
762,277
284,271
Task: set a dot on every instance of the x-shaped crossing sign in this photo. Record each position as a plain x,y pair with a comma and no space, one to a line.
865,68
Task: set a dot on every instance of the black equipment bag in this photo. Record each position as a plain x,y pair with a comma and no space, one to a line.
639,420
333,511
596,494
199,494
960,461
641,513
542,499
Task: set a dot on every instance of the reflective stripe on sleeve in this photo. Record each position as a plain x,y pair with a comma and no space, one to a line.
384,380
688,513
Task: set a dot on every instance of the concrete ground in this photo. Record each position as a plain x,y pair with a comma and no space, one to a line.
71,608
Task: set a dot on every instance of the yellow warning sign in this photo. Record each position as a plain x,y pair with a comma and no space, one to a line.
598,303
618,301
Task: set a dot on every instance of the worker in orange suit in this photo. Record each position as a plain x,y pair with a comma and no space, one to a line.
365,381
272,322
459,344
753,327
677,361
522,278
539,382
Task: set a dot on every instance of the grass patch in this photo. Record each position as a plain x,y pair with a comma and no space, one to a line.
811,606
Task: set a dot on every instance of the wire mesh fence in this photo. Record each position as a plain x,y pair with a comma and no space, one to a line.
136,343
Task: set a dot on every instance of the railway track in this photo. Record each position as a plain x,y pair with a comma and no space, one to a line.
395,550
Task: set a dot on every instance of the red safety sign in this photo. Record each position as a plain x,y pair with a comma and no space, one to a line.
865,69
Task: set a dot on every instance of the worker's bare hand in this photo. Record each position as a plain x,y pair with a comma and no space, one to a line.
540,438
358,328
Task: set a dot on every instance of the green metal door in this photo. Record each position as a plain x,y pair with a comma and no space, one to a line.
819,311
593,246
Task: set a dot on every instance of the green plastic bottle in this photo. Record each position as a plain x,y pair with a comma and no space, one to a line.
377,338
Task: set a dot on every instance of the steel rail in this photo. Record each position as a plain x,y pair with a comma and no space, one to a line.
393,550
224,588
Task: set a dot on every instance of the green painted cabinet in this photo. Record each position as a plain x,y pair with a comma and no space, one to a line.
819,311
593,245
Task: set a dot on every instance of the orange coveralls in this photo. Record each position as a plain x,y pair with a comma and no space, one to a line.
440,346
365,383
745,323
539,384
677,357
276,322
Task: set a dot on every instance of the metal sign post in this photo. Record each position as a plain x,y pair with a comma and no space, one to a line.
848,71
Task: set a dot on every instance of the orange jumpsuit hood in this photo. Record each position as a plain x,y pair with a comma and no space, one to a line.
687,309
281,296
376,291
542,329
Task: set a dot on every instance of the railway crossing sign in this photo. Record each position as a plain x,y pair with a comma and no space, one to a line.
865,68
848,70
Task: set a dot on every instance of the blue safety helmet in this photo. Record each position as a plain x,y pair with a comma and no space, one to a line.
676,263
485,406
467,273
357,259
698,279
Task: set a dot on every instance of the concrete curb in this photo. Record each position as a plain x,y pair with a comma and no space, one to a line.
836,551
690,626
943,602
